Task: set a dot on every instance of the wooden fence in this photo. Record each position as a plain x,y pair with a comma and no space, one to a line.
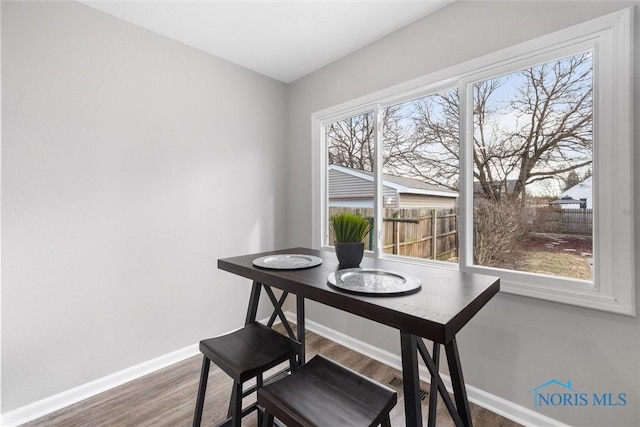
554,219
419,232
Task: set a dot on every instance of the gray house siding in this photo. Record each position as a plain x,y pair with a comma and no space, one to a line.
352,190
408,201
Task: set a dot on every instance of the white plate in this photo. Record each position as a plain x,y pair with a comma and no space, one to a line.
374,281
287,261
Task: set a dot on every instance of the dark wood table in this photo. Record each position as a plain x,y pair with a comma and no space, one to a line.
447,301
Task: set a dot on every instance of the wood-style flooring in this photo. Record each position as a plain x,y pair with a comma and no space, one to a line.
167,397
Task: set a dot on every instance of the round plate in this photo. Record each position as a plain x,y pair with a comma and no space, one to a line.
374,281
287,261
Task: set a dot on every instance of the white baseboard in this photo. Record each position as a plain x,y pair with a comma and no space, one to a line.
58,401
493,403
76,394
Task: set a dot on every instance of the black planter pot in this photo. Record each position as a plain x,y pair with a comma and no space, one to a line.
349,253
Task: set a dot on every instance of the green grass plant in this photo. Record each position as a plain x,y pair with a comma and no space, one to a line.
349,227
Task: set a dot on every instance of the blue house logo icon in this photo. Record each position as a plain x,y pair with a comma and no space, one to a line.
562,395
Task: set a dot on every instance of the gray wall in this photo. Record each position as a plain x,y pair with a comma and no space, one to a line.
130,163
515,343
128,169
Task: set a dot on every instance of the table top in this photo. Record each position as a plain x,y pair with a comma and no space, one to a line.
447,300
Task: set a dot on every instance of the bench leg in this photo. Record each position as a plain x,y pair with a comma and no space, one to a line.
232,400
202,389
236,416
267,420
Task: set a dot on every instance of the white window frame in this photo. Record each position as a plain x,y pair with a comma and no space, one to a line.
610,39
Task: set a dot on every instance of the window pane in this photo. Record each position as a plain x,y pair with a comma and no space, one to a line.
421,174
533,157
350,155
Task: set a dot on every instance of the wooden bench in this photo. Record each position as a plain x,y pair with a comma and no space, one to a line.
325,393
244,354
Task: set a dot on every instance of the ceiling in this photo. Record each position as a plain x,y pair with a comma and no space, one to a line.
284,40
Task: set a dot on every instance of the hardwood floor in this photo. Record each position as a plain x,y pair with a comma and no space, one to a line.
167,397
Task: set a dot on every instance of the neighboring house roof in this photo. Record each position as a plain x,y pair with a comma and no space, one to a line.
566,200
511,184
401,184
577,194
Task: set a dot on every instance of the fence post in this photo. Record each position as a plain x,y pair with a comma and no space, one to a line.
396,238
434,235
456,222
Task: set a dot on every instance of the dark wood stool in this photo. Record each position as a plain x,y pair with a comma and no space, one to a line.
324,393
243,355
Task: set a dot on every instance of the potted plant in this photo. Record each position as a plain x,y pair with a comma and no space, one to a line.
349,231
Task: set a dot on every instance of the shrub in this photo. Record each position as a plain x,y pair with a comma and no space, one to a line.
497,226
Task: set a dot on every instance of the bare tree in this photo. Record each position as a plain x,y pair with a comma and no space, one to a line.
549,133
530,126
351,142
430,150
557,106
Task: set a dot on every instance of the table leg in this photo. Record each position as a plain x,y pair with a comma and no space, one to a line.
253,303
252,311
433,390
411,380
435,378
301,328
277,309
457,381
274,315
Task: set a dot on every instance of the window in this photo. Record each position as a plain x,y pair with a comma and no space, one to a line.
516,164
532,150
350,161
420,149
